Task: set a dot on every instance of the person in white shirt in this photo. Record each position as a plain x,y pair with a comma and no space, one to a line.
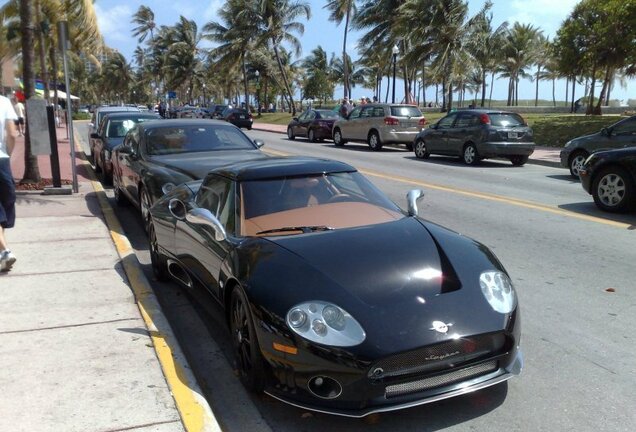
8,118
19,110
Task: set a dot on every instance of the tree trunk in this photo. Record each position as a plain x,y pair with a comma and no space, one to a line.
245,83
450,96
344,51
443,94
516,91
388,87
590,104
573,88
509,101
567,89
536,93
284,75
483,87
423,85
42,52
492,83
31,168
601,98
436,94
553,93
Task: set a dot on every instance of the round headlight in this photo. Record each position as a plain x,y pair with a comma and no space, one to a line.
325,323
498,291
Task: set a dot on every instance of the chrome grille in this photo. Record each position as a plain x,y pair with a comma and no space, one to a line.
437,357
395,390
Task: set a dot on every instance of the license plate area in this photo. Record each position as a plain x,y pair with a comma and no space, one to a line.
513,135
241,116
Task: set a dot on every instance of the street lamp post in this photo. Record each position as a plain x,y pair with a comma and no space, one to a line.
395,51
258,91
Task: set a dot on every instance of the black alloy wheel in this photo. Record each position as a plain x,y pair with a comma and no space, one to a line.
576,162
158,261
374,141
470,155
519,160
338,141
311,135
420,149
247,354
613,190
290,133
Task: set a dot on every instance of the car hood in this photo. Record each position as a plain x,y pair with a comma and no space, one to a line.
386,277
198,164
586,139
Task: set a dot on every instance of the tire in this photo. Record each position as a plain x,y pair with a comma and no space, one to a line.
374,141
311,135
290,133
338,141
576,162
613,190
409,146
519,160
120,198
420,150
144,207
158,261
470,155
247,354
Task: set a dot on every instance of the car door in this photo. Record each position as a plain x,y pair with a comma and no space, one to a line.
130,167
350,128
296,128
623,134
196,246
437,137
366,122
460,132
303,125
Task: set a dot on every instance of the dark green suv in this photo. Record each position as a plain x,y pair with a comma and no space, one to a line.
477,134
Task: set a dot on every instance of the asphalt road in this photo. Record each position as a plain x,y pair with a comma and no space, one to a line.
572,265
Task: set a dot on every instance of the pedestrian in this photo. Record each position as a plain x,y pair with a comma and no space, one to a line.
19,110
344,109
7,186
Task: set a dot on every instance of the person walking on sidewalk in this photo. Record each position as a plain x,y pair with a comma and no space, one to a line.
7,186
19,110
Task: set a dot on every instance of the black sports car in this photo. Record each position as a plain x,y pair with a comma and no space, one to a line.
156,155
337,300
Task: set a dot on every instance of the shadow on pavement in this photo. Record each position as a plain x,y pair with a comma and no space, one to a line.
564,177
457,162
354,146
590,209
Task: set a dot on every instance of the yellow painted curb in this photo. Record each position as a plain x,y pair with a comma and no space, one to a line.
194,410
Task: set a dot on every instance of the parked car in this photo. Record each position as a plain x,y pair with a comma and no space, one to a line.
193,112
110,134
380,124
96,120
477,134
619,135
315,124
610,177
169,152
336,299
239,117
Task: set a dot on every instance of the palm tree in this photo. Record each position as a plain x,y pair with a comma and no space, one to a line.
519,53
542,46
182,59
117,75
276,22
144,18
339,10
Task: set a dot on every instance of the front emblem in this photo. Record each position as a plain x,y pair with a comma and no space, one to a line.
440,326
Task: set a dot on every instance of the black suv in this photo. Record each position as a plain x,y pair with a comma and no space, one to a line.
476,134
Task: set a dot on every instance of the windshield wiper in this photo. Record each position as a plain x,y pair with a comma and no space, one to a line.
304,229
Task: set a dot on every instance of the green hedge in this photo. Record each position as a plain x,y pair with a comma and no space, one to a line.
81,116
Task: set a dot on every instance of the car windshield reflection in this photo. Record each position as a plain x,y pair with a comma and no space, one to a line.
294,205
196,138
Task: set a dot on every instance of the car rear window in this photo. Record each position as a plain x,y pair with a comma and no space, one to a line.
506,119
406,111
329,114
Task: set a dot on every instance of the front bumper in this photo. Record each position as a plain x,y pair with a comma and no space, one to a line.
505,149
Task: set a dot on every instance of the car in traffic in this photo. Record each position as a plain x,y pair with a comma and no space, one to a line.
379,124
160,154
619,135
216,111
336,299
193,112
111,133
477,134
610,177
98,115
315,124
239,117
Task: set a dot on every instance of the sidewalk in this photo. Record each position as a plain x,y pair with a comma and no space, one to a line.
83,343
548,156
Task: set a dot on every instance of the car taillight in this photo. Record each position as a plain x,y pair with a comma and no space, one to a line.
484,119
391,121
422,122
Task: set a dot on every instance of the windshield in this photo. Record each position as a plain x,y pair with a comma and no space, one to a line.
506,119
119,128
195,138
292,205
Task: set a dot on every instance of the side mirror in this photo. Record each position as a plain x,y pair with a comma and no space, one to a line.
259,143
412,198
606,132
177,209
95,136
295,118
200,216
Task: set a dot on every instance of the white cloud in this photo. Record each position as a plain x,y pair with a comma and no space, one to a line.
114,22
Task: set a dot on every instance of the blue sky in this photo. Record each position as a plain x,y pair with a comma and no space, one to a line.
115,22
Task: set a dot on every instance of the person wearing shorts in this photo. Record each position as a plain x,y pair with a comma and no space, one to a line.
19,110
7,185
